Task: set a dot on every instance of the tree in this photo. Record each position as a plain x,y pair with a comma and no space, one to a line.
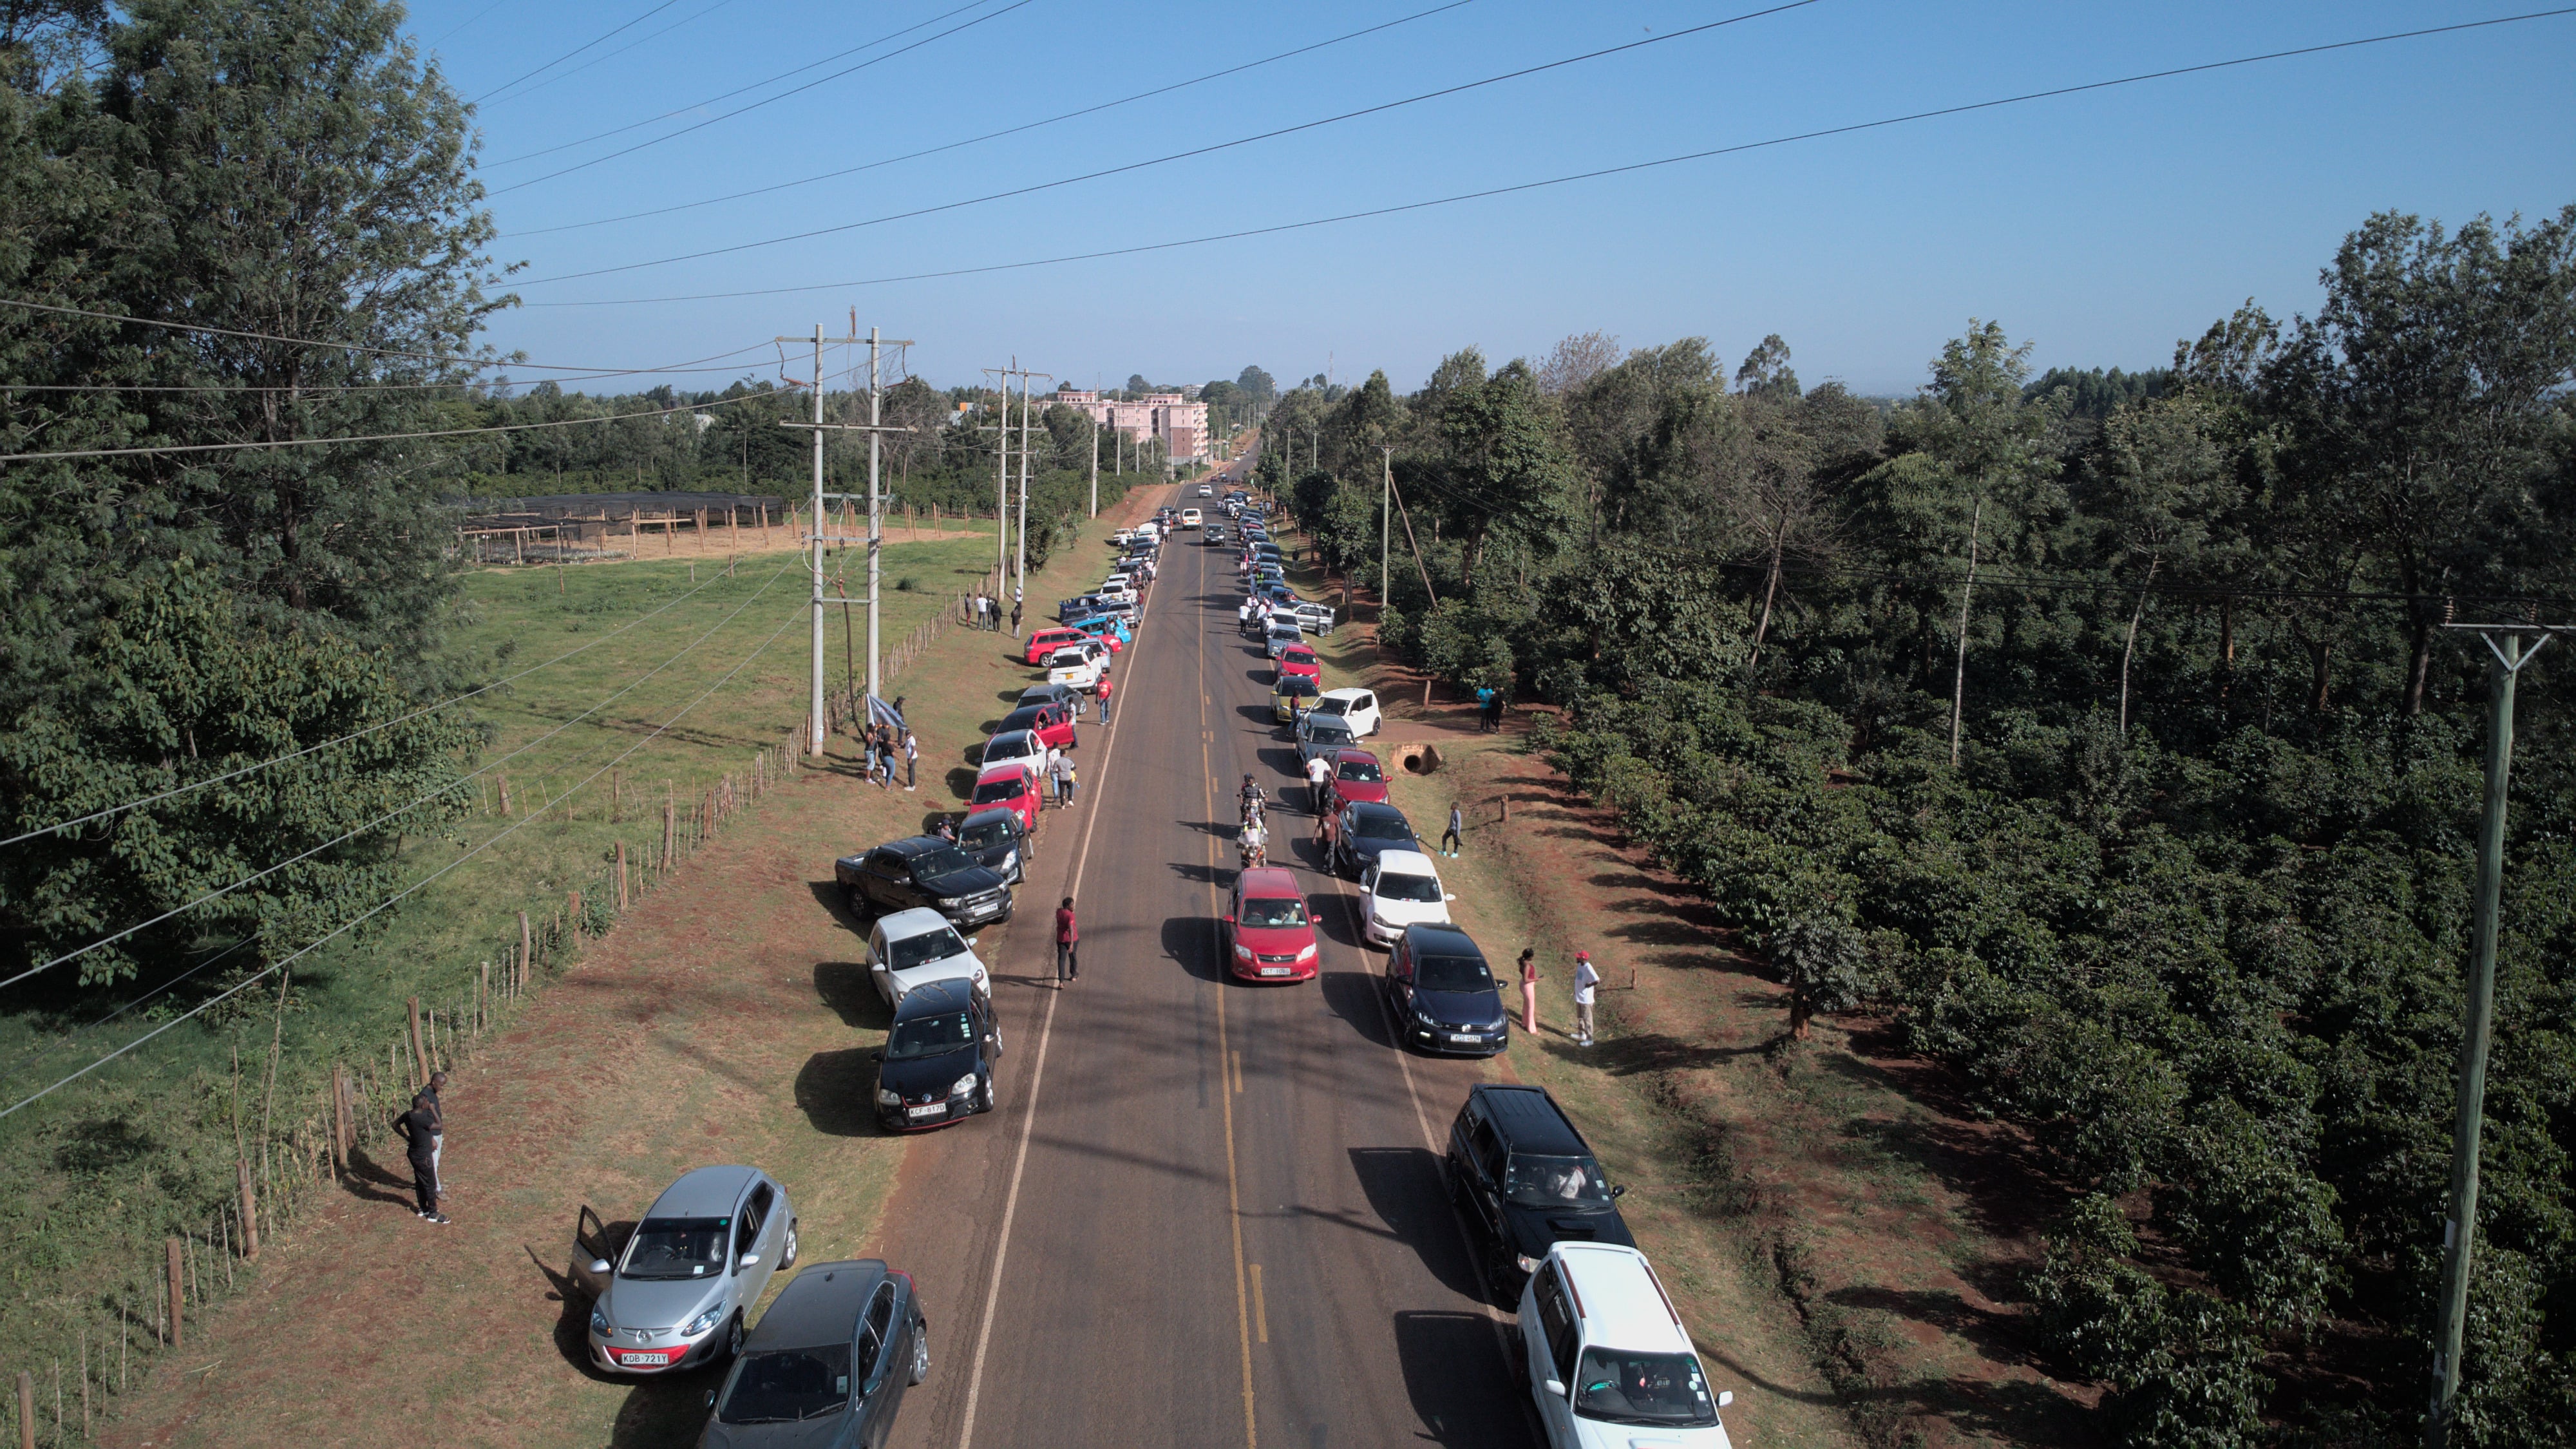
1766,373
1825,962
1577,360
1257,386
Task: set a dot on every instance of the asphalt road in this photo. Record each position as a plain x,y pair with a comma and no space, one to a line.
1209,1213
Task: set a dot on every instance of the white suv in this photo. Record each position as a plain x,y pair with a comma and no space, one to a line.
1357,707
1607,1355
1077,665
907,950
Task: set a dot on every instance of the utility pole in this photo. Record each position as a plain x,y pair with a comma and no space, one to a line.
2459,1230
815,718
1003,556
1385,522
1095,466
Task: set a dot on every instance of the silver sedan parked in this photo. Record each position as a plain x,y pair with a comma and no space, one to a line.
673,1295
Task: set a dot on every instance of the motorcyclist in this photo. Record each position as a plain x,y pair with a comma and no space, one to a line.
1252,795
1253,842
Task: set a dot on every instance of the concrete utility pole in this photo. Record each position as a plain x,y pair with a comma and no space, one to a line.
876,519
815,718
2459,1230
1095,467
1385,521
1002,556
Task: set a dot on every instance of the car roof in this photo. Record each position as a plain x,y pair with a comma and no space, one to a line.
1530,1117
1344,693
912,845
1006,737
819,1306
1622,1304
1002,769
703,1192
1406,862
1446,940
1346,757
1371,808
909,922
987,815
1028,711
1270,881
949,993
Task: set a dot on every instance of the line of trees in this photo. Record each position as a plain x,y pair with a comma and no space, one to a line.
2098,730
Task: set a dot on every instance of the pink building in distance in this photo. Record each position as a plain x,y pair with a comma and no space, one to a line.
1180,424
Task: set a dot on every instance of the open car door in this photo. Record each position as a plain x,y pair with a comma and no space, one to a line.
594,1252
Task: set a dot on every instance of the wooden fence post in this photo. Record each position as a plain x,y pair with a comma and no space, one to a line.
26,1410
249,1211
419,1053
621,876
177,1291
504,783
527,956
616,796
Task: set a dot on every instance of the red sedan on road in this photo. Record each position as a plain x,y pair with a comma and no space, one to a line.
1298,659
1268,935
1356,777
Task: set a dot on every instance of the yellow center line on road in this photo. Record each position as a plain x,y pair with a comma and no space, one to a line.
1224,1054
1260,1309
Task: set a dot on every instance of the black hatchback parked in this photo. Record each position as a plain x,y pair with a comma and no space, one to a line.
924,871
828,1365
1525,1179
1442,994
938,1061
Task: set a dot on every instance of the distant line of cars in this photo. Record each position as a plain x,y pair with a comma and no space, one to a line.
1606,1356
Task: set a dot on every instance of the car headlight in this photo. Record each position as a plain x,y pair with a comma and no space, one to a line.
951,902
1011,861
962,1085
1306,952
889,1097
1243,950
702,1322
1424,1017
1528,1264
599,1322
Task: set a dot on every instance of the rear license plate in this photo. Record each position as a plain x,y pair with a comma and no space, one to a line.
1466,1038
645,1360
933,1110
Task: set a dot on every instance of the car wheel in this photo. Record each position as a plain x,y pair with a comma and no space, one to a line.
853,901
787,1259
921,1353
733,1337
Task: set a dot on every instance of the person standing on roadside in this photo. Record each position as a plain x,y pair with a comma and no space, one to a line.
1053,769
1068,938
1318,770
911,762
1104,696
419,1131
1529,990
1449,841
1072,782
1586,981
1015,618
437,1129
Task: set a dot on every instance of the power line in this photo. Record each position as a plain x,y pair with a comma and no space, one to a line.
396,897
425,710
1007,131
340,389
621,50
1194,151
738,90
444,358
576,50
765,101
469,20
167,448
1565,180
406,809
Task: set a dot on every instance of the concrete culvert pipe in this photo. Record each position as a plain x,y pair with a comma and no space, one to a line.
1419,759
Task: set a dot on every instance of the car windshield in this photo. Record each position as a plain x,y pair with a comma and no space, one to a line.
1012,745
921,950
929,1036
677,1248
946,860
1299,685
786,1384
1642,1388
1274,911
993,792
1384,827
1555,1182
1364,771
1328,731
987,836
1419,889
1453,973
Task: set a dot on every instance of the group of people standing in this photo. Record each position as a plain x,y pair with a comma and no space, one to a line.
988,610
1587,983
883,746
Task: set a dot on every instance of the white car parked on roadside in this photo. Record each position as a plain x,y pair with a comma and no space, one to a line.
1400,888
1014,747
1077,665
907,950
1608,1359
1356,707
1117,589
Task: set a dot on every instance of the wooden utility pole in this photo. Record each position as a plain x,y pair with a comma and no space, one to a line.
177,1293
2460,1228
249,1211
1959,676
1385,523
419,1054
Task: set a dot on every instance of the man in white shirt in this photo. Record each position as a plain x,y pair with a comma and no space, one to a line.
1318,770
1585,981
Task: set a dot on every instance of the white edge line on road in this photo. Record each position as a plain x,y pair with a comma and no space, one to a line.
1037,1075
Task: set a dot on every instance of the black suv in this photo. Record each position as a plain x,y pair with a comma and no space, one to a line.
924,871
1524,1179
994,840
937,1065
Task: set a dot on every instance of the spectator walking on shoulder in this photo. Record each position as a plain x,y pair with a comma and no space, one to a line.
911,762
1529,990
1053,769
1586,980
1068,938
1104,696
1072,782
1449,841
419,1131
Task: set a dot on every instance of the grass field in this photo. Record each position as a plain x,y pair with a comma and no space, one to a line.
676,675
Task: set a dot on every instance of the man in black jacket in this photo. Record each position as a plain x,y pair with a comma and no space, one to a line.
419,1129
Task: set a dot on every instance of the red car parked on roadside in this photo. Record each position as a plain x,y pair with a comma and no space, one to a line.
1268,935
1298,659
1012,787
1356,777
1046,641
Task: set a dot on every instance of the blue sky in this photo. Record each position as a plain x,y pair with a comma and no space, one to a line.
2101,226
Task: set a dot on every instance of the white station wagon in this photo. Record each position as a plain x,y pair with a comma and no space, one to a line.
1608,1358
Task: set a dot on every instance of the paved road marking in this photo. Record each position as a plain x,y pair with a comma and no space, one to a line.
1238,1071
1233,1182
1029,1122
1260,1308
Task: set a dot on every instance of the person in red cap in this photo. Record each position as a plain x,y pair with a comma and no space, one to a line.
1585,979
